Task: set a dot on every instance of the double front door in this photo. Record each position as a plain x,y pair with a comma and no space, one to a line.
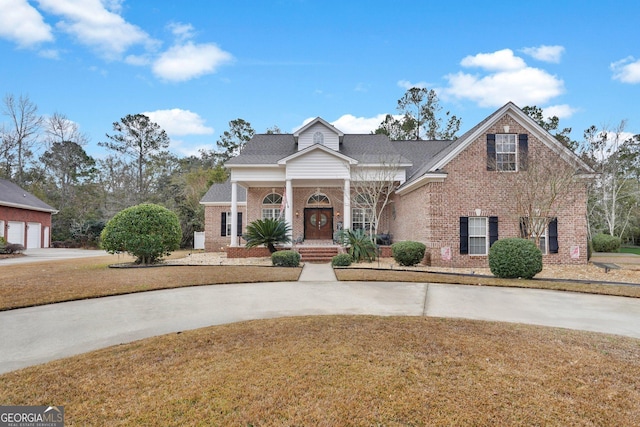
318,223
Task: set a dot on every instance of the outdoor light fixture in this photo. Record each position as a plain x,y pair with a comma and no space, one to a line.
297,214
338,214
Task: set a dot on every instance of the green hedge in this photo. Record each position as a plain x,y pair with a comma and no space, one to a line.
606,243
515,258
408,253
341,260
285,259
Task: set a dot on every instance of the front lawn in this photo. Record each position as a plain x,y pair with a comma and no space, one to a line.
31,284
630,250
346,371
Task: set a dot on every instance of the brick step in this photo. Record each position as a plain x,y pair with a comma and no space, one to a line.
317,254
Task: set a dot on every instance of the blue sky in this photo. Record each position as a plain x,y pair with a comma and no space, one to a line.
193,66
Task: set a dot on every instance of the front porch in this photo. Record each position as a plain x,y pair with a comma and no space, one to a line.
309,250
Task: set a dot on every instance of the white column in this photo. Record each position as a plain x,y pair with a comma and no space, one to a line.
347,204
234,214
288,207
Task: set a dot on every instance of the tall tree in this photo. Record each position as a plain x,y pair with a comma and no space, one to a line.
420,118
20,136
58,128
551,125
139,138
614,194
233,140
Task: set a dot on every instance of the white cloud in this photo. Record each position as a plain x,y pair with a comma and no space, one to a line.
406,84
22,23
501,60
188,61
506,78
545,53
562,111
181,31
179,122
351,124
96,26
627,70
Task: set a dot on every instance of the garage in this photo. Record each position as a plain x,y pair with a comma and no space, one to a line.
15,232
34,230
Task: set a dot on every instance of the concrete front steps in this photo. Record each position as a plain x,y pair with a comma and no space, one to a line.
317,253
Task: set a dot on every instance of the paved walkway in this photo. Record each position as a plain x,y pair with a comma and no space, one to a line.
36,335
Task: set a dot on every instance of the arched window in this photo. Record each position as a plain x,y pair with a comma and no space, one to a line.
318,138
271,206
318,199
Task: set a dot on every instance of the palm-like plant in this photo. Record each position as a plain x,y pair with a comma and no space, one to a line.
267,232
360,245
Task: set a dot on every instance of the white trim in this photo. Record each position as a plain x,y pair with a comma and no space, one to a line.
28,207
423,180
222,204
322,121
314,147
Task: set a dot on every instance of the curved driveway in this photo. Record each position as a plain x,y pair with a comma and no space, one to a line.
36,335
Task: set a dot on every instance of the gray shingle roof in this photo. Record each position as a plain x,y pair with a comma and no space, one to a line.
12,195
221,193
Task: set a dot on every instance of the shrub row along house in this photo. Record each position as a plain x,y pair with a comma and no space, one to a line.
24,219
505,177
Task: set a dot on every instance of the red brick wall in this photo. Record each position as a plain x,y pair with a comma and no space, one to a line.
24,215
213,241
431,214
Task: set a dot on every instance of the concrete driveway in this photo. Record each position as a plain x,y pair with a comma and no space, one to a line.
36,335
51,254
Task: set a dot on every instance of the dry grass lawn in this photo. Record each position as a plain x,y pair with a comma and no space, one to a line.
346,371
25,285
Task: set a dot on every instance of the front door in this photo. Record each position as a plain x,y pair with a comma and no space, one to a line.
318,223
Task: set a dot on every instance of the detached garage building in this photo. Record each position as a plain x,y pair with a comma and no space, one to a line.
24,219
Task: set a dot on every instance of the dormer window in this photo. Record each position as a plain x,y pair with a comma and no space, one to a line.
318,138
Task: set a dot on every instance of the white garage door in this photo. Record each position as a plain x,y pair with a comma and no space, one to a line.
34,231
15,234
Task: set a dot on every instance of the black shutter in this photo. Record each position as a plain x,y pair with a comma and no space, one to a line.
523,151
524,232
239,231
464,235
553,236
491,152
223,224
493,230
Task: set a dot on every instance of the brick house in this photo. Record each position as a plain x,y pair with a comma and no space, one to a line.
457,197
24,219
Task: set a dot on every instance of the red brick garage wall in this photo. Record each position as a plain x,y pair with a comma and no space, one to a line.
8,213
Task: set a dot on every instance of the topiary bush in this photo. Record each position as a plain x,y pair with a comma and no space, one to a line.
606,243
285,259
515,258
145,231
341,260
408,253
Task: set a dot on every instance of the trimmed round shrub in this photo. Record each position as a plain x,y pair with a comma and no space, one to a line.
341,260
145,231
408,253
515,258
606,243
285,259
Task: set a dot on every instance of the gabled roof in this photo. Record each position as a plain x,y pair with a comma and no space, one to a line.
440,159
328,125
269,149
221,193
13,196
318,147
